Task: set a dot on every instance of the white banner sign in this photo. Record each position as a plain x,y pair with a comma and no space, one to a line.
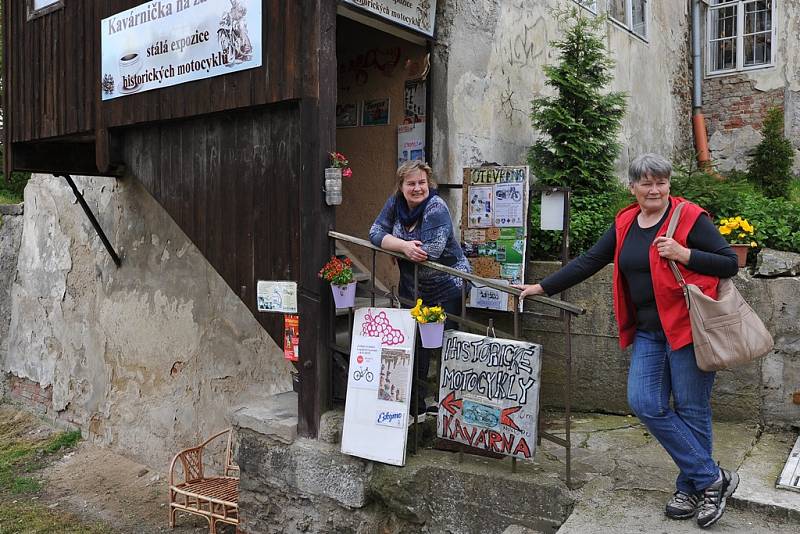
168,42
419,15
279,297
379,385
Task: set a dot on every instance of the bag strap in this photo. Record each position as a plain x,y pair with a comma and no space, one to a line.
673,224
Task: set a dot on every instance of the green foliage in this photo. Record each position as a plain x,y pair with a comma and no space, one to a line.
579,125
775,219
771,166
65,440
11,191
590,217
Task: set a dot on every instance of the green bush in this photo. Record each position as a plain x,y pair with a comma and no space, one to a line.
775,219
771,166
11,190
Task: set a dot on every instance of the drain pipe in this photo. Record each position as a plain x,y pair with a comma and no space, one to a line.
698,120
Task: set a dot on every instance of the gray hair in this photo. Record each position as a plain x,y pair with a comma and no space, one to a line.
649,164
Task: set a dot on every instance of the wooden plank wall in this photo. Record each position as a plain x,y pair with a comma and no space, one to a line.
231,181
54,63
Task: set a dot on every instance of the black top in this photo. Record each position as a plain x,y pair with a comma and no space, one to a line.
710,254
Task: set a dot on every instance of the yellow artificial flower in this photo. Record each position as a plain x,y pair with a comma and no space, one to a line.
733,224
747,227
724,230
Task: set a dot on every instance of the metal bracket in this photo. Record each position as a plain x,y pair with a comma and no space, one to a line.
93,220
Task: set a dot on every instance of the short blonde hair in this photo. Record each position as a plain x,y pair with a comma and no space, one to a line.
407,167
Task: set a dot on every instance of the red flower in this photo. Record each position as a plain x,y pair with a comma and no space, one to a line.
347,172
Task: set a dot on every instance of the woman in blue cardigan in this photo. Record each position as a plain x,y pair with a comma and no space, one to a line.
415,222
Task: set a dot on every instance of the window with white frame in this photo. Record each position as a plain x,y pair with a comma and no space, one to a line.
630,13
591,5
740,35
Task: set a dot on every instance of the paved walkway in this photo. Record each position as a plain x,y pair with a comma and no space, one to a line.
625,478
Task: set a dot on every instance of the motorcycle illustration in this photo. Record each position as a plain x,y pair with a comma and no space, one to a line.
232,35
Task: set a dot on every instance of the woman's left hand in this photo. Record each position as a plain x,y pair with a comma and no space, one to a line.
670,249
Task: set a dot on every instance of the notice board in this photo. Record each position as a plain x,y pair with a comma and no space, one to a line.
494,223
489,393
379,385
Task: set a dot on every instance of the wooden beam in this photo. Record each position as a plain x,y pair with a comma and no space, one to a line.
60,158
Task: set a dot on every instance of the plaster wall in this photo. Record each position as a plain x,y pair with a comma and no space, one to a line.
147,358
775,85
487,66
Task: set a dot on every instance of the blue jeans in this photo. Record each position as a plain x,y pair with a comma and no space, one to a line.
684,430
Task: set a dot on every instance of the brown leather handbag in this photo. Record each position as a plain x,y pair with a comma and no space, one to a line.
726,332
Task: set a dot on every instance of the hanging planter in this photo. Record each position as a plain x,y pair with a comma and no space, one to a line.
431,335
339,167
431,324
333,186
344,296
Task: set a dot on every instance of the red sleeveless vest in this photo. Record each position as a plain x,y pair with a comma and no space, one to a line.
669,296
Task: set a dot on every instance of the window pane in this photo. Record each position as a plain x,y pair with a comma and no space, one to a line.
589,4
756,16
616,10
757,49
639,21
723,22
723,54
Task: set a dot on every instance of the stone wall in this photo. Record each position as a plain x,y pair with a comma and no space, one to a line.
147,358
761,391
10,236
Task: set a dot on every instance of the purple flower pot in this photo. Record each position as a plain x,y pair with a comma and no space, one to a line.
431,334
344,296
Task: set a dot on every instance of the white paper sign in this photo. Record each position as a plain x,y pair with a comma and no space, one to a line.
410,142
416,14
509,205
366,369
489,298
278,297
376,408
552,211
480,206
168,42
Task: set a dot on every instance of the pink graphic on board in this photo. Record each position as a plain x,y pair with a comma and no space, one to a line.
379,326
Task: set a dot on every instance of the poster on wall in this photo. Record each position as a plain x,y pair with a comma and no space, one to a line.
346,115
489,393
291,337
414,100
494,230
152,45
375,112
276,296
379,385
410,142
419,15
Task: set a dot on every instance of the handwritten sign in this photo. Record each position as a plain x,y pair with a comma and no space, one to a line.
379,385
415,14
489,393
168,42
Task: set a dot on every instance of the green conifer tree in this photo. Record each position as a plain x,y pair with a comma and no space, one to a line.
579,125
771,165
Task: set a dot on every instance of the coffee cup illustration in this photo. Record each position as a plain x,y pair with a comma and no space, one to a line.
129,66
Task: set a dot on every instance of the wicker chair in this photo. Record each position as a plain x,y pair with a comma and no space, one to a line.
215,498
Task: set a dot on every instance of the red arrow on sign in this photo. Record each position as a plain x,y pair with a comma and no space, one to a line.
506,420
450,403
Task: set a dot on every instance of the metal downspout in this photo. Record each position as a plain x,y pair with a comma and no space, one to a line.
698,120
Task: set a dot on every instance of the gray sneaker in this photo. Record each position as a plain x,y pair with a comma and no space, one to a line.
682,505
715,497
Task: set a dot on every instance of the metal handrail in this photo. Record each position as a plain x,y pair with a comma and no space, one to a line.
566,312
477,280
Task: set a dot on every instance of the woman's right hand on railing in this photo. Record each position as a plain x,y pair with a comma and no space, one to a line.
414,252
530,290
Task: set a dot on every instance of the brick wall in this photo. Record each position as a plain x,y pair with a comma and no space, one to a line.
30,393
731,102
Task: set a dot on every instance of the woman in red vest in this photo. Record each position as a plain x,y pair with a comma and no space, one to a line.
652,316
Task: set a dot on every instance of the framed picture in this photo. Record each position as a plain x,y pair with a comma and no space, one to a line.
346,115
37,8
375,112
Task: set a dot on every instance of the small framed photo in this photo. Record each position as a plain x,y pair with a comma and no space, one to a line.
375,112
346,115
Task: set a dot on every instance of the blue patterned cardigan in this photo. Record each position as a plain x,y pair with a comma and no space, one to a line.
435,230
